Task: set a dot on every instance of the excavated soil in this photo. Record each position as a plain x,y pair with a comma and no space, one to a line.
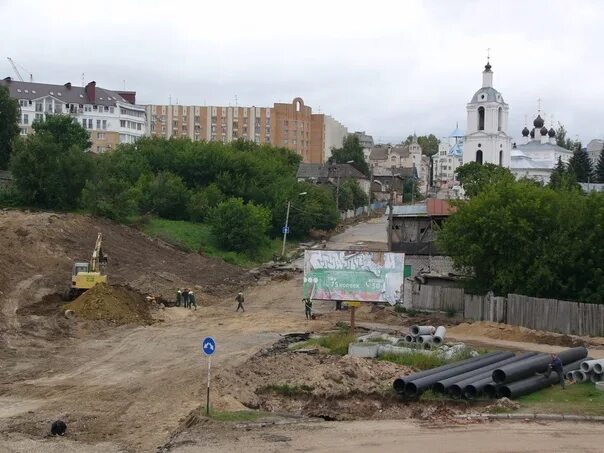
115,305
37,250
325,386
520,334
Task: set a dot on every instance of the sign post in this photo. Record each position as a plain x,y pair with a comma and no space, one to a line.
353,309
208,346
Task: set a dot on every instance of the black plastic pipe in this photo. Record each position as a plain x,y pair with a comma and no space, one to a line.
416,386
475,389
399,383
538,364
534,383
454,385
490,390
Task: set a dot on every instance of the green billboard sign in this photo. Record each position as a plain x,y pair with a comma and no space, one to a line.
354,275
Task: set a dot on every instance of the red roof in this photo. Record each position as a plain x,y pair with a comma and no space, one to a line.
438,207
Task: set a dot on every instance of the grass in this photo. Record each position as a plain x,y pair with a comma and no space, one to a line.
336,343
236,416
421,361
287,389
195,237
577,399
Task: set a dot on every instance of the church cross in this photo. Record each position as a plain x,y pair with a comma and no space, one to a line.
539,105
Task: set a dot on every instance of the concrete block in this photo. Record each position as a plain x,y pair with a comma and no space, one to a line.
369,350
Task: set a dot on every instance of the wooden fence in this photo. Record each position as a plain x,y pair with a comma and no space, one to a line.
553,315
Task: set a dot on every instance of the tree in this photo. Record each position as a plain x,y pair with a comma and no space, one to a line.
9,125
351,150
516,237
475,177
203,200
65,129
428,143
581,165
48,175
239,226
164,194
599,172
562,139
562,178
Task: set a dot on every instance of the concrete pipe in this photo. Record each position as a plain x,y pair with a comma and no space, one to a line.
596,378
409,338
581,376
399,383
597,366
538,364
427,346
570,376
424,339
533,383
422,330
454,385
416,386
439,335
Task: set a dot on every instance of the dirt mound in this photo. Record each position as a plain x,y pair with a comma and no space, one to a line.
113,304
515,333
37,250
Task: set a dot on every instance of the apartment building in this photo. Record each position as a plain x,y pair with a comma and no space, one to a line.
291,125
111,117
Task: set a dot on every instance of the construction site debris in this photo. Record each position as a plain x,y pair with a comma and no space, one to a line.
116,305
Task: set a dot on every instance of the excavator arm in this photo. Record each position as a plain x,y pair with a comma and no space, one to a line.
98,258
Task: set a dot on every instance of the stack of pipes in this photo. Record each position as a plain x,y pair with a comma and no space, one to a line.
426,336
497,374
590,370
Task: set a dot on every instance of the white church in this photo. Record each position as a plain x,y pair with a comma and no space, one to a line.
487,140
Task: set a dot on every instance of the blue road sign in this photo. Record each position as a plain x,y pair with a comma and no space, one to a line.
285,230
208,345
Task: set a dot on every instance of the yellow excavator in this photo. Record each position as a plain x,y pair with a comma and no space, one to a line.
87,274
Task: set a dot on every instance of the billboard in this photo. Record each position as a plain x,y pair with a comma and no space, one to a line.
353,275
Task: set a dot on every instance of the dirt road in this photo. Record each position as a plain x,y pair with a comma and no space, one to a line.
401,436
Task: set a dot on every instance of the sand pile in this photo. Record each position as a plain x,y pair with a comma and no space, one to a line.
114,304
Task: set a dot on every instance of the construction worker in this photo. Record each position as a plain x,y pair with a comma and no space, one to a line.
178,298
240,299
556,366
192,302
185,297
307,307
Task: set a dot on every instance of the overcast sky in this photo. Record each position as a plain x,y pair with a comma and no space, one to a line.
389,68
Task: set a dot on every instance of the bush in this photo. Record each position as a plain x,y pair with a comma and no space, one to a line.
202,201
240,226
10,197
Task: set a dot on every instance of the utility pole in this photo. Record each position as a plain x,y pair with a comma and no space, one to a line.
286,227
390,208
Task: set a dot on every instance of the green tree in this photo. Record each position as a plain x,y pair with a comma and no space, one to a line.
516,237
359,198
164,194
428,143
599,172
475,177
239,226
48,175
561,178
581,165
9,126
345,195
65,129
203,200
351,150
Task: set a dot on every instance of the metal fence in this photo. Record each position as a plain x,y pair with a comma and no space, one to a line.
573,318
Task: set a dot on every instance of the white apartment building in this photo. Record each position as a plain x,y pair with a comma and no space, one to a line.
111,117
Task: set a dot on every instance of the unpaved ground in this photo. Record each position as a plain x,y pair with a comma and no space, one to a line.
129,388
397,436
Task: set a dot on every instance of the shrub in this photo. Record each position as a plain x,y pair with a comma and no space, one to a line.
240,226
165,194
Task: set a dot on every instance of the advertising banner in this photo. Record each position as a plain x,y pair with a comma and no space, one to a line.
353,275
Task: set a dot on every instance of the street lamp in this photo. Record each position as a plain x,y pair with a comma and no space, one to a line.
286,227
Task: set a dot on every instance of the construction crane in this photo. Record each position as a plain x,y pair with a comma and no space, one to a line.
31,76
87,274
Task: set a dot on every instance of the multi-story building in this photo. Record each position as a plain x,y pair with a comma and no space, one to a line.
327,134
291,125
448,158
111,117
